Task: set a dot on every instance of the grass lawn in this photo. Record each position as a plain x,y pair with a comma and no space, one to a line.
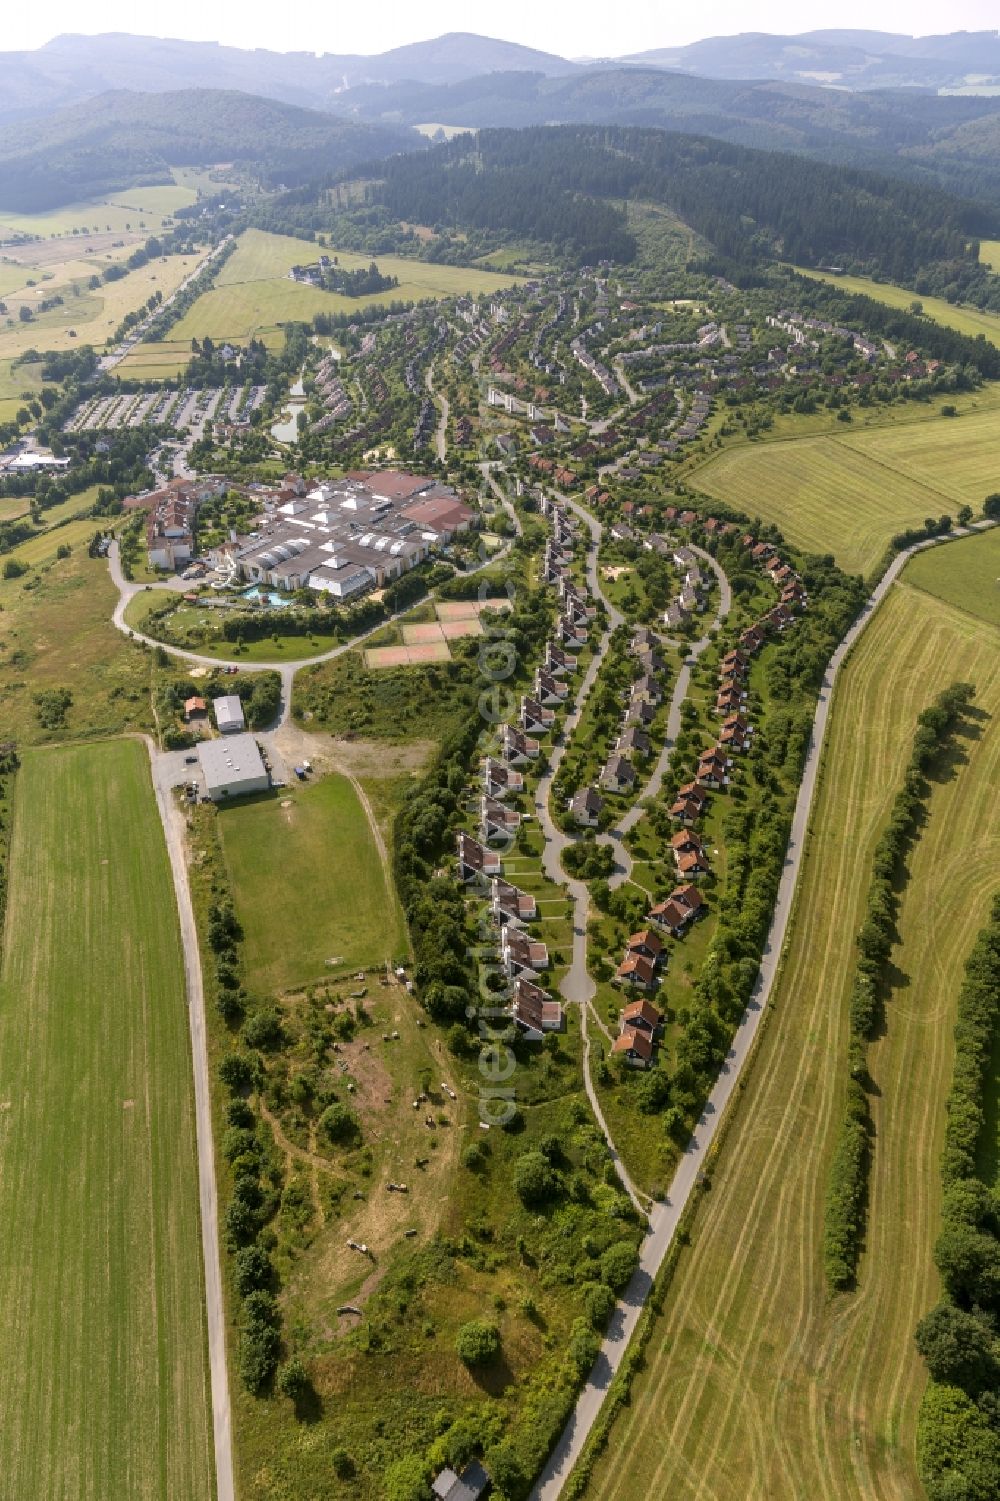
849,493
103,1376
966,320
966,574
40,549
754,1376
309,885
989,254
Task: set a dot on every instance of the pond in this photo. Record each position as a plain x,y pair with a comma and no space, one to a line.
286,428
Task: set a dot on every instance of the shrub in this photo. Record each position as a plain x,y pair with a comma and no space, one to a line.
293,1379
477,1343
957,1347
599,1302
340,1123
617,1265
252,1270
263,1030
534,1180
237,1071
406,1480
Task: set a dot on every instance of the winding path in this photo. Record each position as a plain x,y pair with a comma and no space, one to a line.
616,836
664,1218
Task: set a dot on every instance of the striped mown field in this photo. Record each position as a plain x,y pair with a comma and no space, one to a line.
757,1383
850,493
103,1359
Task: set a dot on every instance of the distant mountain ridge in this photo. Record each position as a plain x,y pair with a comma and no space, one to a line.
73,67
122,138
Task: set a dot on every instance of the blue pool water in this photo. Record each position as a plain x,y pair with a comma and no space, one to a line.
274,601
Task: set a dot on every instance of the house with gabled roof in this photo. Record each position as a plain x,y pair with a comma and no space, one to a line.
475,861
647,943
634,741
499,780
522,955
509,903
534,1011
536,719
516,747
549,689
642,1015
618,773
586,806
636,970
681,907
635,1047
496,820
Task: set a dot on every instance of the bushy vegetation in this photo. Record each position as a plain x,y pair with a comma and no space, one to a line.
847,1188
958,1439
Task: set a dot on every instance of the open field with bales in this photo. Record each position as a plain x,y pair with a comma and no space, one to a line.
253,295
103,1376
850,493
757,1383
965,320
304,862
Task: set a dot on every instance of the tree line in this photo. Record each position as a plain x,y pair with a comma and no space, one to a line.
847,1186
958,1432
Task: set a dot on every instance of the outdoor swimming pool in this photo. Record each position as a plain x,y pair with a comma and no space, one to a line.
269,598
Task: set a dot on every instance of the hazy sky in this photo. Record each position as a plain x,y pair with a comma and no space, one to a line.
572,28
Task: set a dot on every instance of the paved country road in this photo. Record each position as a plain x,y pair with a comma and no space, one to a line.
664,1218
173,829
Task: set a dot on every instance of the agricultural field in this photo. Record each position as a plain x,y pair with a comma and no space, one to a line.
91,316
850,493
254,296
758,1384
966,320
965,574
989,254
56,634
103,1376
306,863
139,210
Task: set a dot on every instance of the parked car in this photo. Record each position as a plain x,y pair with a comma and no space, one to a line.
190,760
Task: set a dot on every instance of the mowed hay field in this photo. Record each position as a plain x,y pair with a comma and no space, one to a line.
849,494
965,573
103,1372
253,295
757,1384
965,320
309,884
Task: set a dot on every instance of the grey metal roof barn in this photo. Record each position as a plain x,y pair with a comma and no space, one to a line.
232,767
229,713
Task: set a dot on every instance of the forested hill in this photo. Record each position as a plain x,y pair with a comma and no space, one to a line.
948,141
566,185
121,139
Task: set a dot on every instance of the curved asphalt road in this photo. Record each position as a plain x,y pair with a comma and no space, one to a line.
664,1218
616,837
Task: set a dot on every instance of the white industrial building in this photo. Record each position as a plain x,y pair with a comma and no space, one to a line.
229,714
232,767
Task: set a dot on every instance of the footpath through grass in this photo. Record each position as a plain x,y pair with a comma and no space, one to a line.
757,1384
103,1377
309,885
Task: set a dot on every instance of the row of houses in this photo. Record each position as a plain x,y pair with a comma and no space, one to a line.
525,958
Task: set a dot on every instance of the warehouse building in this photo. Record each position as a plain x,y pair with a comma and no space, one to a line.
232,767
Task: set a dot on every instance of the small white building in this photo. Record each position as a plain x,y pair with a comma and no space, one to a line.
229,714
232,767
